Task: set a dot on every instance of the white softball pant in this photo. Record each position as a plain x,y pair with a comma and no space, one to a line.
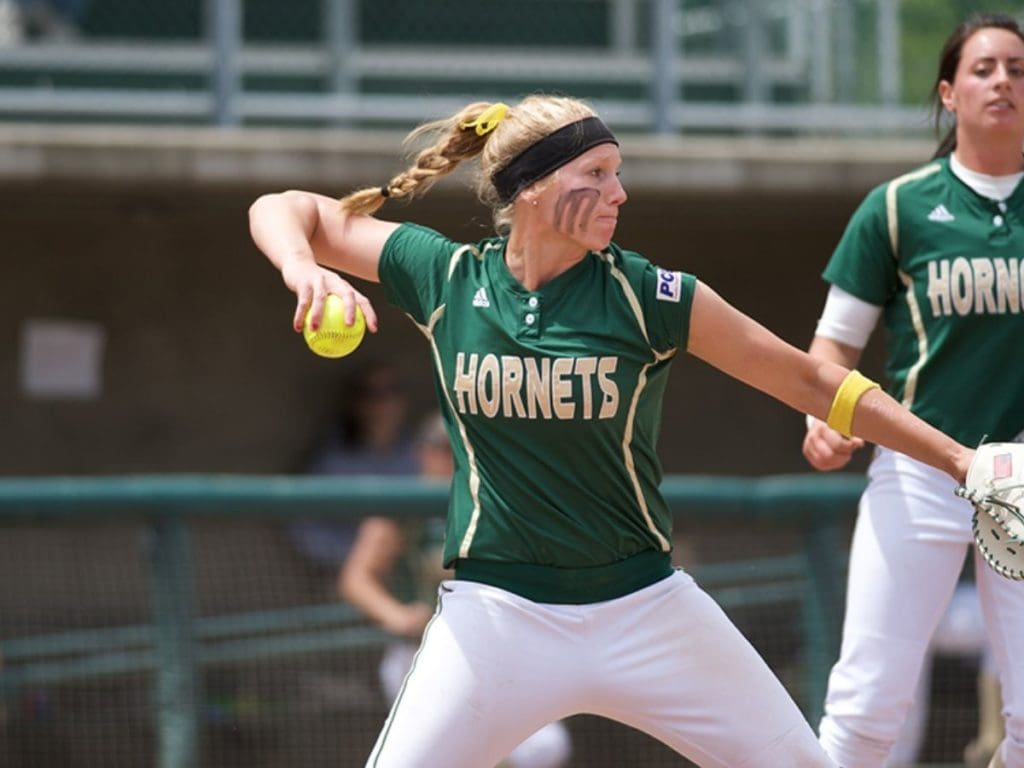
550,747
908,549
494,668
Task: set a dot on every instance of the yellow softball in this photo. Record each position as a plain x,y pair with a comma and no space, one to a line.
333,338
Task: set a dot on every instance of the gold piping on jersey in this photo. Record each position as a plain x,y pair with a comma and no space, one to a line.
641,382
470,248
454,260
890,203
892,219
474,474
627,455
910,388
634,302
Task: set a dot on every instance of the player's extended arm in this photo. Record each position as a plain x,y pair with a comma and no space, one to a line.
724,337
300,231
824,448
363,579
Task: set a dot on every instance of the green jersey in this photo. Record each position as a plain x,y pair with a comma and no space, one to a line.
947,266
552,400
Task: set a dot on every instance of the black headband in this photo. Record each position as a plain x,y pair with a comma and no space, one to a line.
549,154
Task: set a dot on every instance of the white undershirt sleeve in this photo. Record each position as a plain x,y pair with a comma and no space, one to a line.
847,319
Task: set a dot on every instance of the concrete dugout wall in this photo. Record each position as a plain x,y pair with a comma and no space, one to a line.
143,233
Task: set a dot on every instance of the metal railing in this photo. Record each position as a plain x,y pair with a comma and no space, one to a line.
663,66
177,643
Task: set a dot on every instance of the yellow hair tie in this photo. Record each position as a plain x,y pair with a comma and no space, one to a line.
488,119
852,389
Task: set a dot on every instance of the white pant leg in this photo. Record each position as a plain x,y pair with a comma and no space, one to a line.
550,747
669,662
494,668
906,748
961,632
1002,605
908,548
490,672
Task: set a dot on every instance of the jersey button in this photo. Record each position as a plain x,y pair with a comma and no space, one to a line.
530,319
997,220
532,301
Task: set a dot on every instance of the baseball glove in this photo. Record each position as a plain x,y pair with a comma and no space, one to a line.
995,486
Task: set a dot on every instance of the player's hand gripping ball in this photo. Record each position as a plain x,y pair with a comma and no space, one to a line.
333,338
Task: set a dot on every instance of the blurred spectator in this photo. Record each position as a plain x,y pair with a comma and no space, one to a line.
392,575
368,436
32,20
393,569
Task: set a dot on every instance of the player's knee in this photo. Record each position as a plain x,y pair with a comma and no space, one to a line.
851,745
879,723
869,703
797,749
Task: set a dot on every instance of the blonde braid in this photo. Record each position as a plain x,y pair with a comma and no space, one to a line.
453,145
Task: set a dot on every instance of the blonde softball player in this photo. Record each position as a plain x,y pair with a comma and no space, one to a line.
551,346
939,253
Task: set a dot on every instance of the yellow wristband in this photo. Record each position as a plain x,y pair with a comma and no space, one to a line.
840,415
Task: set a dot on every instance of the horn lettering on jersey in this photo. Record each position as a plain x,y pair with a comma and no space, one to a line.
488,387
464,386
529,388
978,286
512,386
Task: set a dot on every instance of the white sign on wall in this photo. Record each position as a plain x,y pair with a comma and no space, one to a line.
62,359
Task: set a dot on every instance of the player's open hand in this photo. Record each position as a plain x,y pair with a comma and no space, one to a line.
312,283
827,450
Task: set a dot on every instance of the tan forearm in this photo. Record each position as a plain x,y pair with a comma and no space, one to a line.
364,577
877,417
282,226
880,419
809,383
371,596
834,351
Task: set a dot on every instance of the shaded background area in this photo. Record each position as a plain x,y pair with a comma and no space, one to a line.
133,137
203,373
325,708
